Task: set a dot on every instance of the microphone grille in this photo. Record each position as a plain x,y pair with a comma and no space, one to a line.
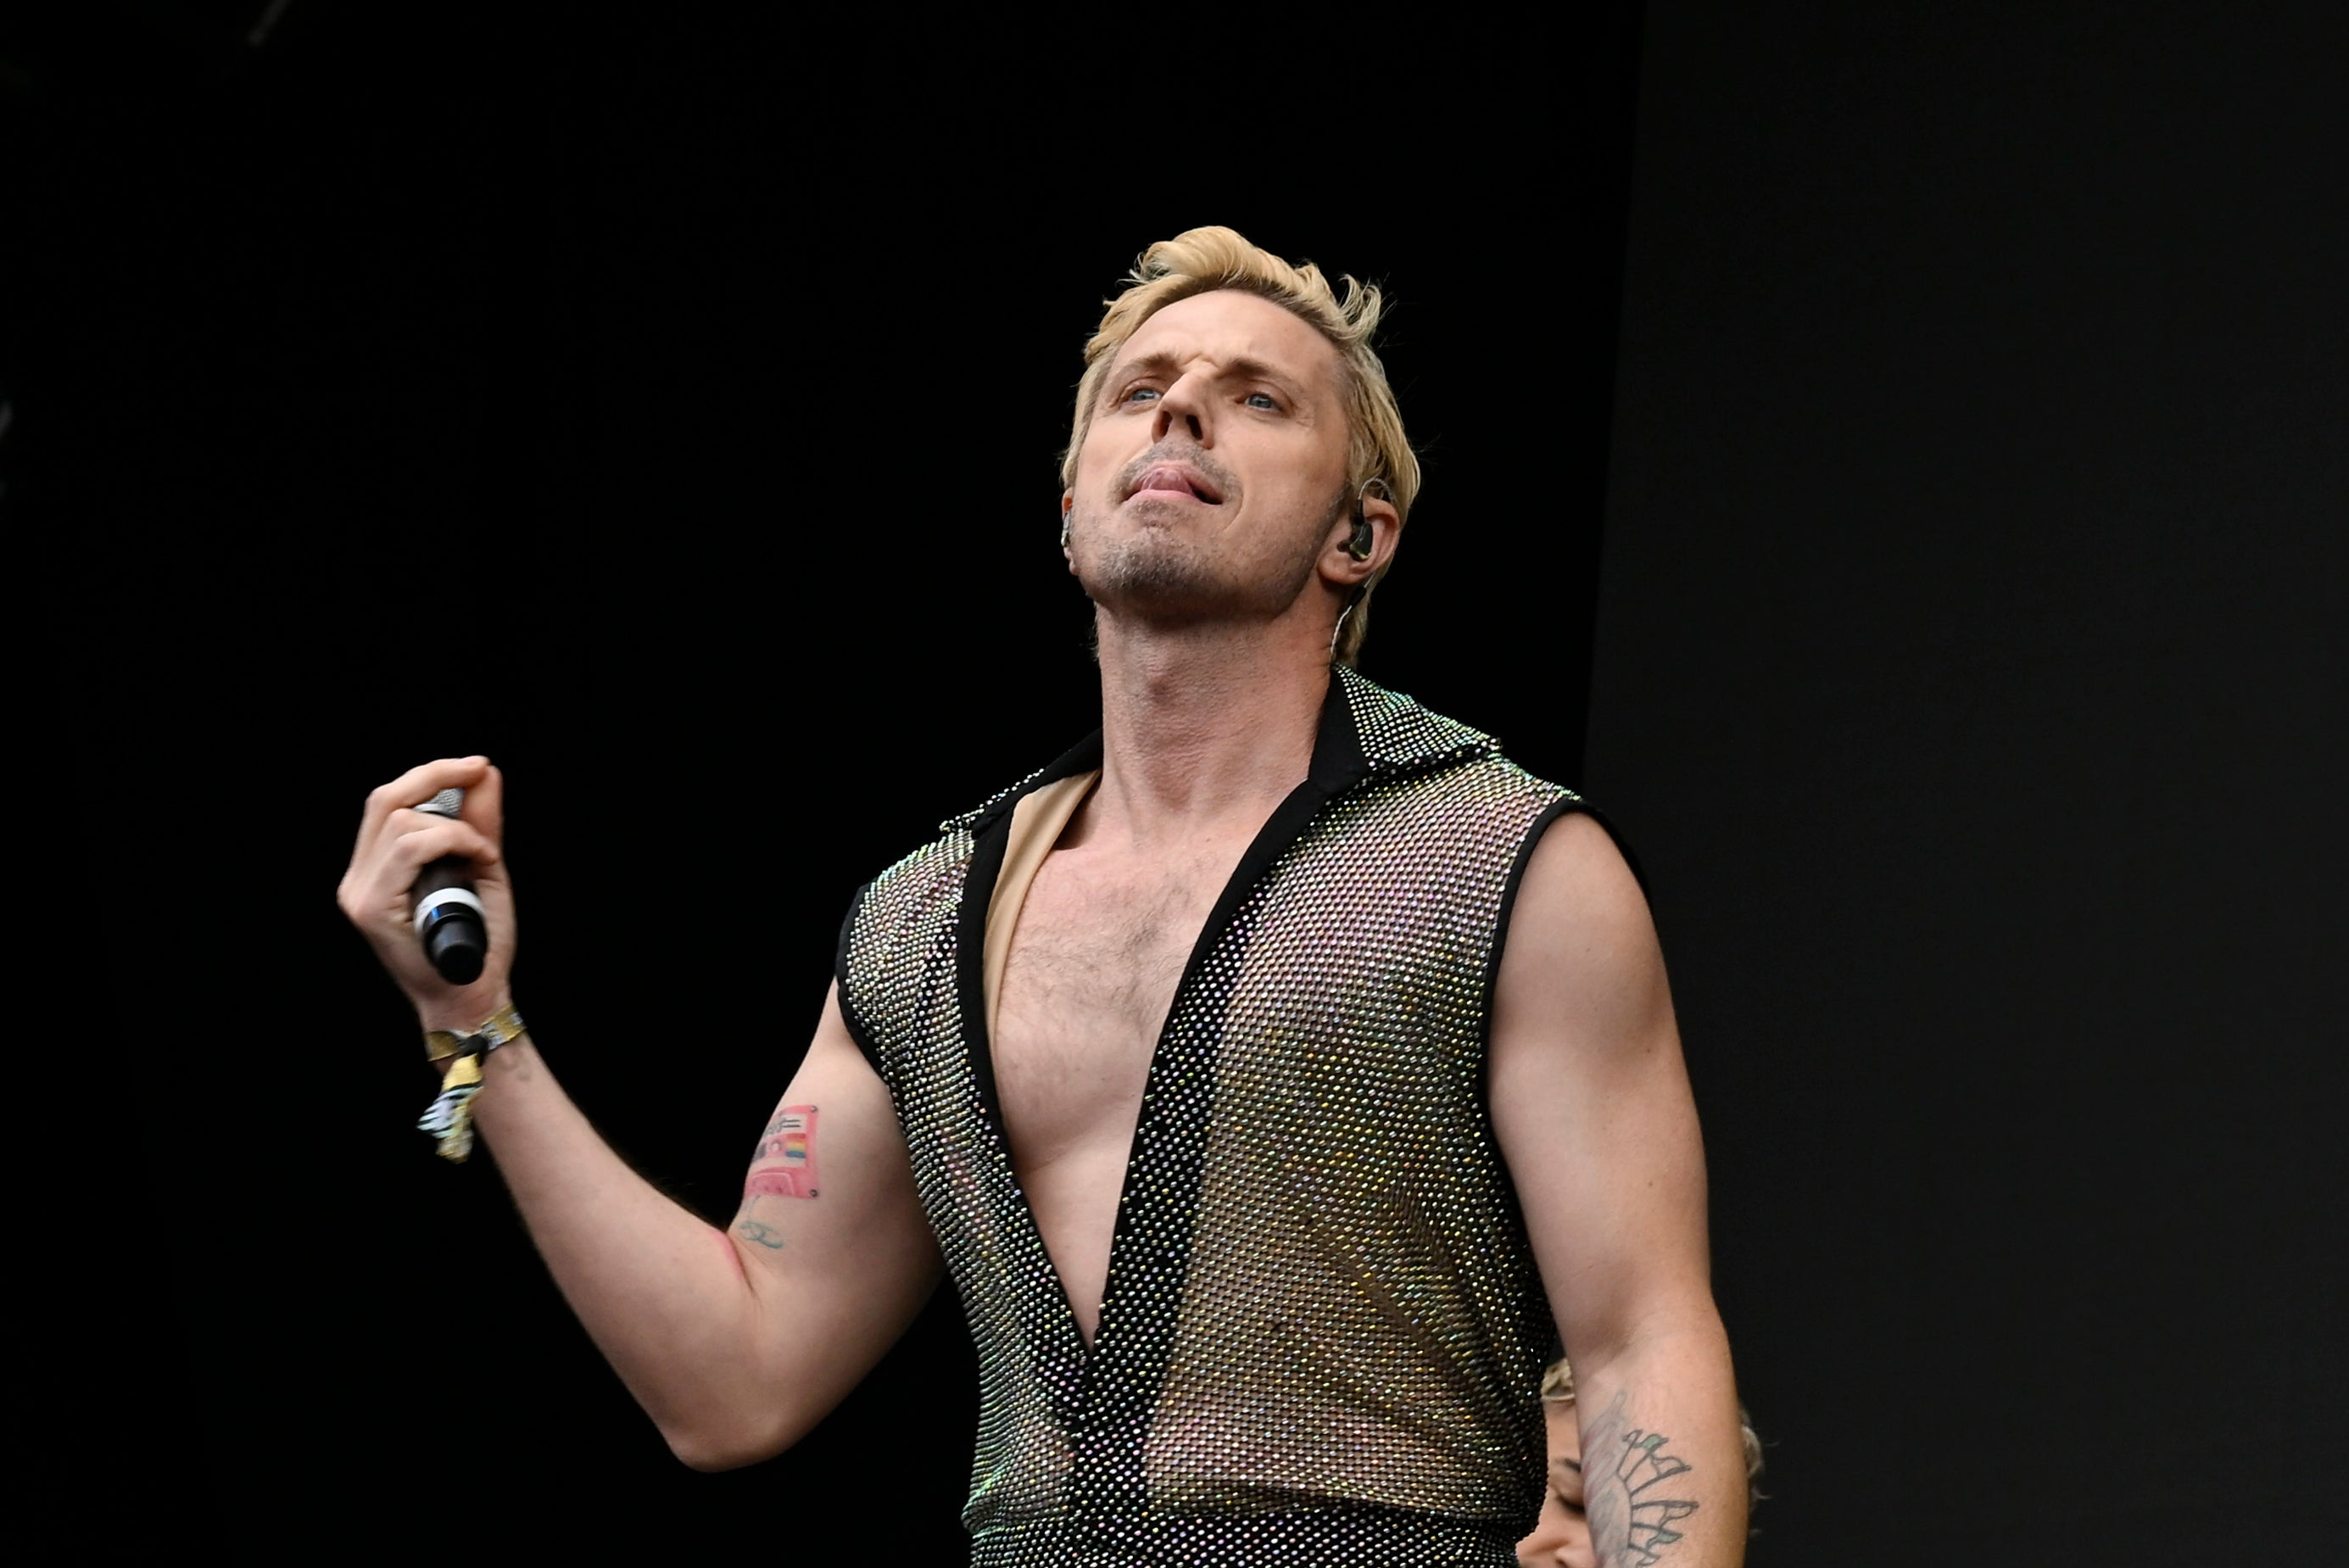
447,804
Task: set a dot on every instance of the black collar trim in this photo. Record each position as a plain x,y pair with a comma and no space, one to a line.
1366,732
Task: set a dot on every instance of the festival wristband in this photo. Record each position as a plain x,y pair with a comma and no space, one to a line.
450,1117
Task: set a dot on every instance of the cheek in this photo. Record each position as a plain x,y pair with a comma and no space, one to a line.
1086,480
1109,443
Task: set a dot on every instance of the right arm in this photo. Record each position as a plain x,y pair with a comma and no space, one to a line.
735,1341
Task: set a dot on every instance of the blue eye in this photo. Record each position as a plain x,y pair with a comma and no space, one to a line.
1135,393
1262,401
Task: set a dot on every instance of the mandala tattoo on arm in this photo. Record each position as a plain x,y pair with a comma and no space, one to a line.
1626,1495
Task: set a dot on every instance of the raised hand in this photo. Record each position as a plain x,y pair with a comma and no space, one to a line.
396,841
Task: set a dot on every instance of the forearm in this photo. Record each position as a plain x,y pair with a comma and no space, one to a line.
733,1348
661,1291
1665,1476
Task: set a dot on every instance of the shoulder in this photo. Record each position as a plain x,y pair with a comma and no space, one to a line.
925,881
1581,959
902,914
1397,744
1577,873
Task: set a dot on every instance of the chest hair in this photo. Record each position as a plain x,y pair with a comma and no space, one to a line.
1094,961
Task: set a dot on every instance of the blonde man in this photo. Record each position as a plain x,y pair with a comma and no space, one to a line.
1378,455
1277,1074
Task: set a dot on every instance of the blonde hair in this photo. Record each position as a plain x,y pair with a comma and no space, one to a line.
1201,261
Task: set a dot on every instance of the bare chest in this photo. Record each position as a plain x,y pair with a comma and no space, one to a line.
1093,968
1094,963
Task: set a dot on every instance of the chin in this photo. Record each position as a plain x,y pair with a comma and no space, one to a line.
1536,1554
1556,1544
1153,572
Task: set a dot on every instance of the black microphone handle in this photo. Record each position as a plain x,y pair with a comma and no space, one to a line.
450,920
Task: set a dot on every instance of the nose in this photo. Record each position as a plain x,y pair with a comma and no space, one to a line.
1182,406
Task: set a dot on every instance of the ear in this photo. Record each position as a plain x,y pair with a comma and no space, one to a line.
1339,567
1068,505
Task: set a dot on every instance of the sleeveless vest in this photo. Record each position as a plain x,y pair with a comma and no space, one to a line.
1322,1334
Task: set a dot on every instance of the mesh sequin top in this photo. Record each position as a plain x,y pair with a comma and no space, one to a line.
1322,1334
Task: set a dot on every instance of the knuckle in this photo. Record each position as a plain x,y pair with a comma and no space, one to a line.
418,844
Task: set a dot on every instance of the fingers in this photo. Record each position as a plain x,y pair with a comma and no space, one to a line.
395,840
381,880
485,803
420,783
412,788
416,839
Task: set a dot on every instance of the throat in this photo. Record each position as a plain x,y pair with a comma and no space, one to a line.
1190,756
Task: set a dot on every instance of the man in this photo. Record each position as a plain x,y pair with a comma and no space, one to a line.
1280,1075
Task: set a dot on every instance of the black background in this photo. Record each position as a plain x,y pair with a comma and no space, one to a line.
1970,672
671,409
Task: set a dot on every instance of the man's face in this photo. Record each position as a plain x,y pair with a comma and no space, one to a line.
1214,473
1561,1537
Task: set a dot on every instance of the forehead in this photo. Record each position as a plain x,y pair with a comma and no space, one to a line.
1225,325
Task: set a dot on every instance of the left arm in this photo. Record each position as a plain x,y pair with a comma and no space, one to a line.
1591,1104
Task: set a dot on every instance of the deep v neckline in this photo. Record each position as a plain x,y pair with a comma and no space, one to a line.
1336,761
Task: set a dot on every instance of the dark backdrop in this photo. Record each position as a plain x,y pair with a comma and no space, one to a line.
1970,672
670,411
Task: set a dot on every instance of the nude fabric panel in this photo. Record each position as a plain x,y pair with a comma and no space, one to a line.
1036,825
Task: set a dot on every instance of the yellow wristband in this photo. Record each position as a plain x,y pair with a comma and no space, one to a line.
450,1117
502,1027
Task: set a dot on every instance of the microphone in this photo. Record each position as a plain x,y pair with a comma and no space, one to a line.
450,920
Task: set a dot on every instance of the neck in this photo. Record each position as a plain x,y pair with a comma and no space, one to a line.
1204,726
